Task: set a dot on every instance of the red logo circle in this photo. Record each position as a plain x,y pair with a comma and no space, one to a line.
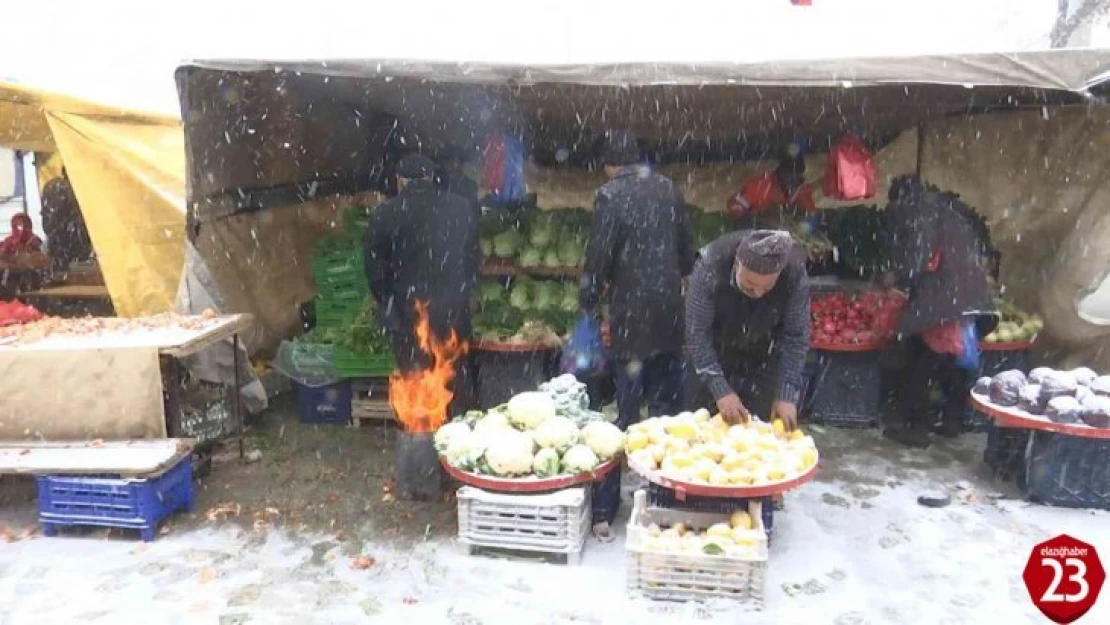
1064,577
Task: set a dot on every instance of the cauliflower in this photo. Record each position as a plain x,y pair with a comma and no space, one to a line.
546,463
444,434
603,438
528,410
558,433
579,459
494,421
460,449
509,453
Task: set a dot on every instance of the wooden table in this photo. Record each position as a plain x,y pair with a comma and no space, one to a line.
170,342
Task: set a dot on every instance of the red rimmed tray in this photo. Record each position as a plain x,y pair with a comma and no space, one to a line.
1006,347
512,348
854,348
682,489
1014,418
528,485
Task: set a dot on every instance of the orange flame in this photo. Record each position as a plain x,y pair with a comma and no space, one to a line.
420,398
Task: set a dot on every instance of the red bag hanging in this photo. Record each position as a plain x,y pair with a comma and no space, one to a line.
850,173
493,172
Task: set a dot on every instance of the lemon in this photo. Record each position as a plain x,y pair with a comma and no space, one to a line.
778,427
680,528
672,444
740,519
797,435
809,458
636,440
658,452
732,460
719,477
643,458
681,459
719,530
718,423
743,537
740,476
684,431
776,473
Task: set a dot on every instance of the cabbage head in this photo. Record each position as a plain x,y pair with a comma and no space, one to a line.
546,463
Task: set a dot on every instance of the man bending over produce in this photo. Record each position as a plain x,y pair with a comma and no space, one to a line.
640,248
747,324
423,245
939,259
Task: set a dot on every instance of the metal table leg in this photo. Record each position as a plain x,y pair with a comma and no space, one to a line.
236,391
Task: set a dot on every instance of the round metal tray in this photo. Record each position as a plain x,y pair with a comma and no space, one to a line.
1005,347
1015,418
512,348
853,348
682,489
528,484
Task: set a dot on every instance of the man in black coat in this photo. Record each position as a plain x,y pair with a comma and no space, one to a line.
453,178
423,245
639,251
747,325
937,260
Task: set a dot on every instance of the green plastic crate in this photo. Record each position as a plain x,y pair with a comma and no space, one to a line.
351,365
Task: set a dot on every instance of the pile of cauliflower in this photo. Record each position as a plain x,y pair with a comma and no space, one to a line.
737,538
527,436
694,447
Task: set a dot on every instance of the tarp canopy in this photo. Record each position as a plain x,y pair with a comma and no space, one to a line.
289,134
258,125
127,170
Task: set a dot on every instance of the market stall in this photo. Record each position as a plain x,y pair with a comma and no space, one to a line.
110,378
1053,433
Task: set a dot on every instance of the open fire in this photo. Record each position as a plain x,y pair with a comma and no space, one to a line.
420,398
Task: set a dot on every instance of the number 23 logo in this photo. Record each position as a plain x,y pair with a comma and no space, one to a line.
1078,577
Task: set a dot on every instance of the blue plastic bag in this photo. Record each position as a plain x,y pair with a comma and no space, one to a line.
584,352
969,354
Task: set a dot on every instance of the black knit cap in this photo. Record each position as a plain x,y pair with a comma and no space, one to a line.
765,251
415,166
621,148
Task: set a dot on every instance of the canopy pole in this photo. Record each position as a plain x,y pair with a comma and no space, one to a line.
920,147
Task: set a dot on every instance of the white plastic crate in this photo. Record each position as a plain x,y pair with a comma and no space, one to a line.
553,523
693,576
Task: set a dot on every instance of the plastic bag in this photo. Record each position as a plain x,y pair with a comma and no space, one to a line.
958,338
850,173
307,364
584,352
503,172
887,312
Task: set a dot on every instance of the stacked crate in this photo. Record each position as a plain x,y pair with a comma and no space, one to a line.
342,293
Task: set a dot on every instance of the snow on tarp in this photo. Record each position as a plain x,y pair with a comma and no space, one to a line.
1064,69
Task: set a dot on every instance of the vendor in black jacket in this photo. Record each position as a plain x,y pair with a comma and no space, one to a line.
423,245
747,324
640,249
939,258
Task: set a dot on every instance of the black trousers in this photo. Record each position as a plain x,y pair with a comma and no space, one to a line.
927,370
753,379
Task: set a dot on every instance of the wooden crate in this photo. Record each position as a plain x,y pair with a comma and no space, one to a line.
371,402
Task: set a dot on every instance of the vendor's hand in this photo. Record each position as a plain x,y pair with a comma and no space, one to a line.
732,409
787,412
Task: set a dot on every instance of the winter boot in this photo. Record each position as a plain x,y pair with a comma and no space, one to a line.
915,438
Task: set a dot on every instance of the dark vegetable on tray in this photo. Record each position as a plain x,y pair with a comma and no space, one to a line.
1064,410
1096,411
1058,384
1101,385
1031,400
1005,387
1036,376
1083,376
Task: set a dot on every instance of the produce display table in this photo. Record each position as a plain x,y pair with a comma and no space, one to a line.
506,369
1057,464
531,484
112,374
1015,418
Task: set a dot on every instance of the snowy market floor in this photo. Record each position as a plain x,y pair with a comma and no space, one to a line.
275,541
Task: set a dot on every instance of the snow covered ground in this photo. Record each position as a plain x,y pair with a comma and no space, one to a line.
851,547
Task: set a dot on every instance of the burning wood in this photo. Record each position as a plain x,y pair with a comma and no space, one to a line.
420,398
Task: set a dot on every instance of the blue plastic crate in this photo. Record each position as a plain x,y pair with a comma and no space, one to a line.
1067,471
113,501
328,404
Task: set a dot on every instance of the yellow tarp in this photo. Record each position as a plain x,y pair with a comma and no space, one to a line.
128,173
